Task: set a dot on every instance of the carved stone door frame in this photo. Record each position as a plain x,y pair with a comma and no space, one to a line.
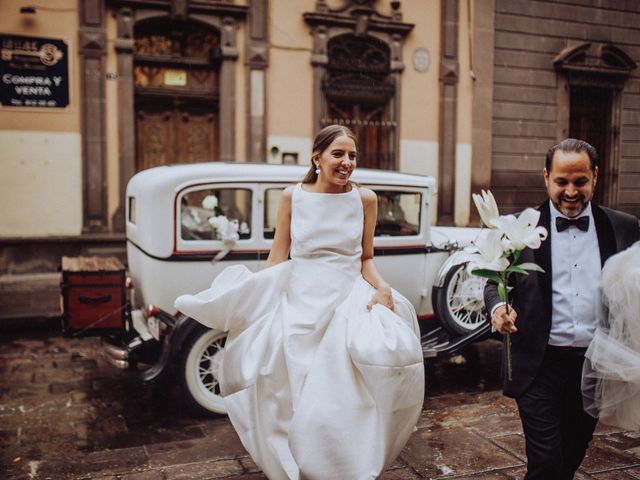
602,66
224,17
357,17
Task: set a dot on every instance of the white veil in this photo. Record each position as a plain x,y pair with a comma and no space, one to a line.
611,374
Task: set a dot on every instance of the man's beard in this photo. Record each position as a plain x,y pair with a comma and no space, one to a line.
578,206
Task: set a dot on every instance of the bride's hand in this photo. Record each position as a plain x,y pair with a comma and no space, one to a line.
383,297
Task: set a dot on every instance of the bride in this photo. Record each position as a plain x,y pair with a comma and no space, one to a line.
322,374
611,373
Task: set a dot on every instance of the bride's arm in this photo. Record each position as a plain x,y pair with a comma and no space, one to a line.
369,270
282,239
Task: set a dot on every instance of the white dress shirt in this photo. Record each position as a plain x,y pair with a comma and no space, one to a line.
575,282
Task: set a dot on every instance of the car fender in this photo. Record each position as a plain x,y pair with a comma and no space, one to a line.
454,259
184,327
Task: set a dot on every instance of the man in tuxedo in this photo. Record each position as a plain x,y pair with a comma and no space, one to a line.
554,313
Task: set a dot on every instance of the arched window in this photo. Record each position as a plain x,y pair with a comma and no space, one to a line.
358,91
176,80
357,71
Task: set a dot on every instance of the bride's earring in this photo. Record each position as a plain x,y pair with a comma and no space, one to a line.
317,170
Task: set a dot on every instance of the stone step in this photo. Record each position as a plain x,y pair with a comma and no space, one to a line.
29,299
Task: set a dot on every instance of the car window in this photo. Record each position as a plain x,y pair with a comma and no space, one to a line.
398,213
214,214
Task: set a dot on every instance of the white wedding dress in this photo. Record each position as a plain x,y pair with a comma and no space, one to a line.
611,373
316,386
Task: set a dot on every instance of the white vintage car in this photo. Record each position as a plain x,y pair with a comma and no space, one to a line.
185,223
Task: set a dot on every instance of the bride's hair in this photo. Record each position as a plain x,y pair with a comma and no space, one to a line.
323,140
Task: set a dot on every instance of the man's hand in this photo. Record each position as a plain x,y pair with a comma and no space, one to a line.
502,322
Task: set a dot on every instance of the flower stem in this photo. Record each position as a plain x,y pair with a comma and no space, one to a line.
508,346
507,338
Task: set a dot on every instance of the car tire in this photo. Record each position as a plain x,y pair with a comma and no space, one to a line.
198,365
459,303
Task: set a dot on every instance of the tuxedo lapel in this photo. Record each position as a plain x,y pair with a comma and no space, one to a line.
542,257
604,231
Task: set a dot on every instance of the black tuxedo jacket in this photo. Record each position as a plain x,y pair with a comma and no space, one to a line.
531,295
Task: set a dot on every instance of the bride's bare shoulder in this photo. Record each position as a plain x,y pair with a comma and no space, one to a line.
287,193
367,195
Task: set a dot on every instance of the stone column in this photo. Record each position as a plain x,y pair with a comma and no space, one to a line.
319,61
448,104
228,89
483,35
126,128
257,62
92,43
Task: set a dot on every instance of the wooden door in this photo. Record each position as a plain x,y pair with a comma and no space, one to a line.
374,133
590,120
173,131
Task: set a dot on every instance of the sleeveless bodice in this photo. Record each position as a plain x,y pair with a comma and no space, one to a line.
327,228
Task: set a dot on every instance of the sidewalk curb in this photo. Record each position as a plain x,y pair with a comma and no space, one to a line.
23,323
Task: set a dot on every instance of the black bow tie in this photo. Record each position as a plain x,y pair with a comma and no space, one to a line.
581,222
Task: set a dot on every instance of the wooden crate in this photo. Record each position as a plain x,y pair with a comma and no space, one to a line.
93,296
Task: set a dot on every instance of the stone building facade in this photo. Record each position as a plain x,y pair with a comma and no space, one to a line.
565,69
472,92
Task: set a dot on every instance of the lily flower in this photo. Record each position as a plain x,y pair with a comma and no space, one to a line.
486,253
487,207
521,231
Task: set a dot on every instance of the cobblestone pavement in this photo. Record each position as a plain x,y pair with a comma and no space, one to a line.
66,414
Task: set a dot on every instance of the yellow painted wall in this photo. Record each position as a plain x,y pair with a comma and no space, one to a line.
111,107
465,82
290,75
419,109
40,159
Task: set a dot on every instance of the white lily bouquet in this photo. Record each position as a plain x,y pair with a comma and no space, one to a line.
494,254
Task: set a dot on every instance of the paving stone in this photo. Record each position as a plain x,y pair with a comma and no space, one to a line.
149,438
504,474
615,475
224,440
602,456
146,475
59,399
249,465
251,476
454,451
627,441
604,429
15,471
514,444
204,471
399,474
107,461
189,451
500,422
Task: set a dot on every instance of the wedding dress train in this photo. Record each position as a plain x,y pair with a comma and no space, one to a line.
316,386
611,375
